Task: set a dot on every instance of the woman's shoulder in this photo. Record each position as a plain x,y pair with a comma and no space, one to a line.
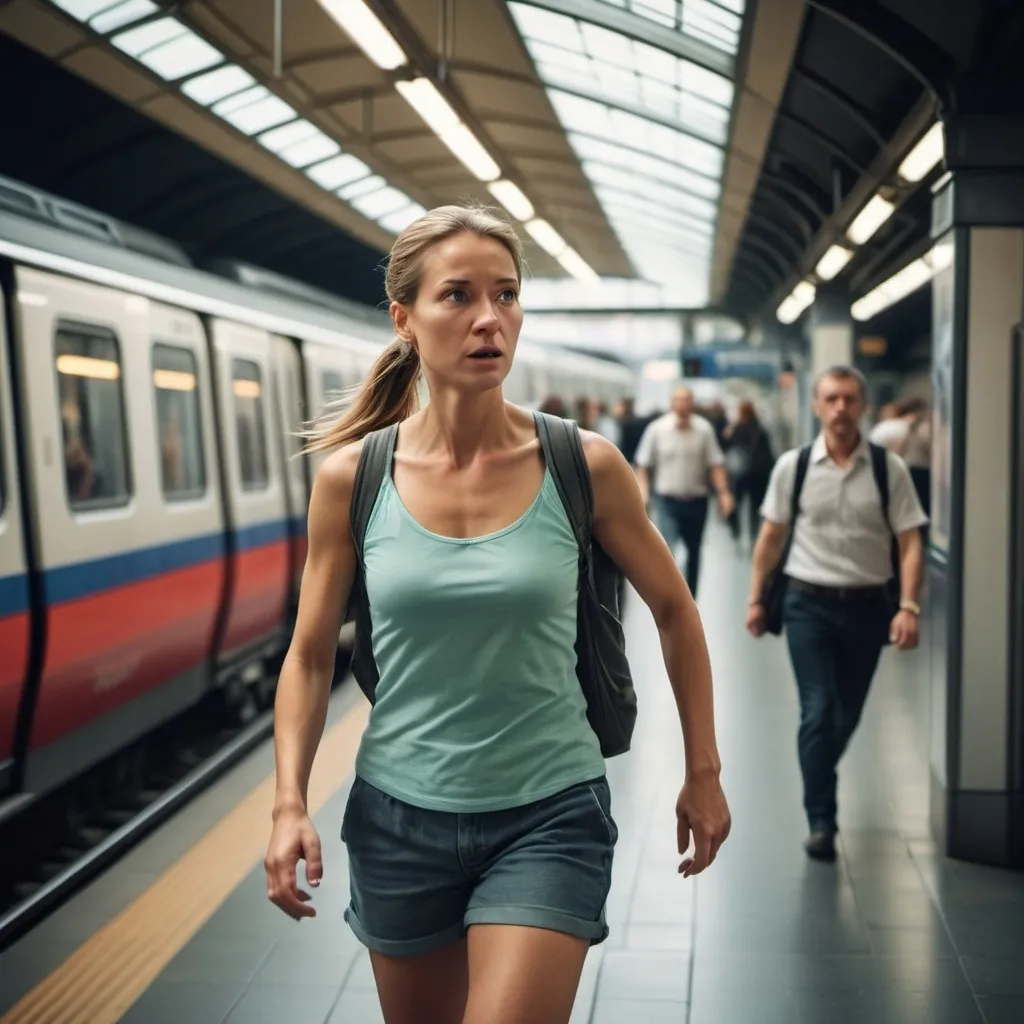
336,475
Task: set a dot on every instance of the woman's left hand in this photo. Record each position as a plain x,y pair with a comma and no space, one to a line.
702,810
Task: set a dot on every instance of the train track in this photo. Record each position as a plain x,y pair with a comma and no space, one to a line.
56,846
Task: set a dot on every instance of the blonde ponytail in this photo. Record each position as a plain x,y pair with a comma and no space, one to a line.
389,395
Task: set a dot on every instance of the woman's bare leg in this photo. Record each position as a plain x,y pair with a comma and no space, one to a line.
426,989
520,975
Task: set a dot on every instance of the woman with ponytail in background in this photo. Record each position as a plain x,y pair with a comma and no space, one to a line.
479,826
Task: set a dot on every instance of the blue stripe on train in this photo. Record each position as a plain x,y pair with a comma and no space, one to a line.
71,582
13,595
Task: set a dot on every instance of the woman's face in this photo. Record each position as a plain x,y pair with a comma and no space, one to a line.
466,319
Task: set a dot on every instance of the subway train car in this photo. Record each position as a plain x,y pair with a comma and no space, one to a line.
152,493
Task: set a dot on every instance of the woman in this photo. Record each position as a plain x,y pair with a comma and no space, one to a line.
749,459
479,827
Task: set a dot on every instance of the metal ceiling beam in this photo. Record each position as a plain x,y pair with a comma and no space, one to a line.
918,54
814,134
643,30
854,111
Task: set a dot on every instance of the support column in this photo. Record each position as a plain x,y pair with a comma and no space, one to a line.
829,328
976,557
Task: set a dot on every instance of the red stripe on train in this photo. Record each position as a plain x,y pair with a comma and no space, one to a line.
258,595
14,641
109,648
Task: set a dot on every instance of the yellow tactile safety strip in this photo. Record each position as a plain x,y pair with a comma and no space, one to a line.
100,981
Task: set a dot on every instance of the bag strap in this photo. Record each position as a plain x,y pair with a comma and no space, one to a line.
373,462
880,467
563,452
803,460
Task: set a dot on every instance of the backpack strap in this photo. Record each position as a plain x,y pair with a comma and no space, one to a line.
373,463
563,452
880,468
803,460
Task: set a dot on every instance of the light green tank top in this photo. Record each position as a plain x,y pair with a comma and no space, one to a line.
478,706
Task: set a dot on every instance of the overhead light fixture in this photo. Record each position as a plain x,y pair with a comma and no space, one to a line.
367,31
574,264
422,95
546,237
512,198
919,162
904,282
832,262
870,219
218,84
796,302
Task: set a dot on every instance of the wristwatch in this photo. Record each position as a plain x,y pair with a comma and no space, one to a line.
910,606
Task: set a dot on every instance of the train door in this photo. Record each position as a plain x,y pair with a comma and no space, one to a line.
15,625
130,580
256,499
291,417
329,370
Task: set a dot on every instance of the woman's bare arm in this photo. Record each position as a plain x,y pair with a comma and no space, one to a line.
623,529
304,687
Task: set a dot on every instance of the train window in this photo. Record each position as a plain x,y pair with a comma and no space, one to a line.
333,383
88,365
247,389
179,432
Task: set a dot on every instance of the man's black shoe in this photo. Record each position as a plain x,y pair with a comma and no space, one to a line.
821,846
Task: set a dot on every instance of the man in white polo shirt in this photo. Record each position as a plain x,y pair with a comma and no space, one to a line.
680,451
840,606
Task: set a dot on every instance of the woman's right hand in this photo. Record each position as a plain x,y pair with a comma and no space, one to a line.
294,838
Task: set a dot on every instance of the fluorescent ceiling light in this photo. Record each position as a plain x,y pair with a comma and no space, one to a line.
341,170
574,264
925,155
424,98
123,14
546,237
168,48
903,282
422,95
467,148
512,198
174,380
88,366
217,85
869,220
796,302
367,31
832,262
136,41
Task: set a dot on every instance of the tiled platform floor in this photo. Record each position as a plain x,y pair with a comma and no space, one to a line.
892,934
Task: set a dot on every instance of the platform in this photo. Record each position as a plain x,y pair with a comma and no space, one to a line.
891,934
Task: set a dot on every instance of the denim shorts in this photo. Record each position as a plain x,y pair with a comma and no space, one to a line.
419,878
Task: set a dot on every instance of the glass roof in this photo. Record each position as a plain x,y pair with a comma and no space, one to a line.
717,23
648,127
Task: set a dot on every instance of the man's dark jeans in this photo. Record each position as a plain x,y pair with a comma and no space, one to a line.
834,644
683,519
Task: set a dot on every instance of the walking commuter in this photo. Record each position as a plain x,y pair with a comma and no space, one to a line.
840,607
749,462
680,451
479,829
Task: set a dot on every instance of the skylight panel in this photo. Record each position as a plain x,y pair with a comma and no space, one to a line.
663,11
137,41
82,10
338,172
381,203
561,58
122,14
546,26
217,85
254,110
672,198
181,56
399,220
362,188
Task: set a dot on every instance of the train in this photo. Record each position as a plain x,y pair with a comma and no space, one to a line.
153,490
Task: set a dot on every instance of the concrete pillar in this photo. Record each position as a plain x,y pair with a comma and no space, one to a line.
975,594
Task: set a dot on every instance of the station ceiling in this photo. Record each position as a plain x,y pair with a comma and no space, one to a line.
717,147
